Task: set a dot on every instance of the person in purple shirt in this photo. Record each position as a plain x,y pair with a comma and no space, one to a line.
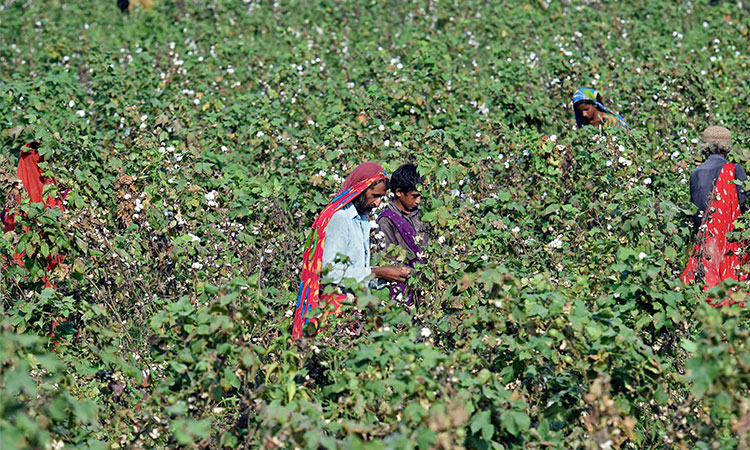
716,143
399,224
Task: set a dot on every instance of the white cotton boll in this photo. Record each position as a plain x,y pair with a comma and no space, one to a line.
197,266
81,113
642,255
259,134
425,332
387,143
210,196
71,103
647,181
515,229
553,138
194,238
381,127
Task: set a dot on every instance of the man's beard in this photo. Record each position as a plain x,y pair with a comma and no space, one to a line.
360,204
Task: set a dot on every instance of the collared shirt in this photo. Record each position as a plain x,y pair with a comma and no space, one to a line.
348,234
702,182
391,235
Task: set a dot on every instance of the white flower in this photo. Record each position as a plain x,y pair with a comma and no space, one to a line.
197,101
647,181
642,255
556,243
425,333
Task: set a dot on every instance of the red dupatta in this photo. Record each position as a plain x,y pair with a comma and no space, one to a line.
309,288
713,258
33,181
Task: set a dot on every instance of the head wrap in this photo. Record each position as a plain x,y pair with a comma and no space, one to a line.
362,177
361,172
717,134
592,95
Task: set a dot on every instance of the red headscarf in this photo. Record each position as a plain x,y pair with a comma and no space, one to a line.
361,172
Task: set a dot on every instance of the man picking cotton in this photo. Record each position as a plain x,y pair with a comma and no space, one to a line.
340,242
400,224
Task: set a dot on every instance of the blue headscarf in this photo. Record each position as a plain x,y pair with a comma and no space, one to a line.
590,94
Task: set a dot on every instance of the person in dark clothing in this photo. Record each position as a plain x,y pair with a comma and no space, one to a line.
716,189
716,142
399,224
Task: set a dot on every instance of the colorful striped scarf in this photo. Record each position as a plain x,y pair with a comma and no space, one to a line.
309,287
590,94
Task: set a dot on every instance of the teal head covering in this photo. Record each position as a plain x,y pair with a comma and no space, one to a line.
592,96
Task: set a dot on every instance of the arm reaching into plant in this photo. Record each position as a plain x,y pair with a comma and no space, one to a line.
399,274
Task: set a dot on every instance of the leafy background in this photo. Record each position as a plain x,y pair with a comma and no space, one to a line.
198,141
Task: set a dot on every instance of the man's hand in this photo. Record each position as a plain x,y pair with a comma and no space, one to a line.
398,274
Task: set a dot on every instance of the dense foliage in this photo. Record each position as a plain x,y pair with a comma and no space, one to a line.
198,140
